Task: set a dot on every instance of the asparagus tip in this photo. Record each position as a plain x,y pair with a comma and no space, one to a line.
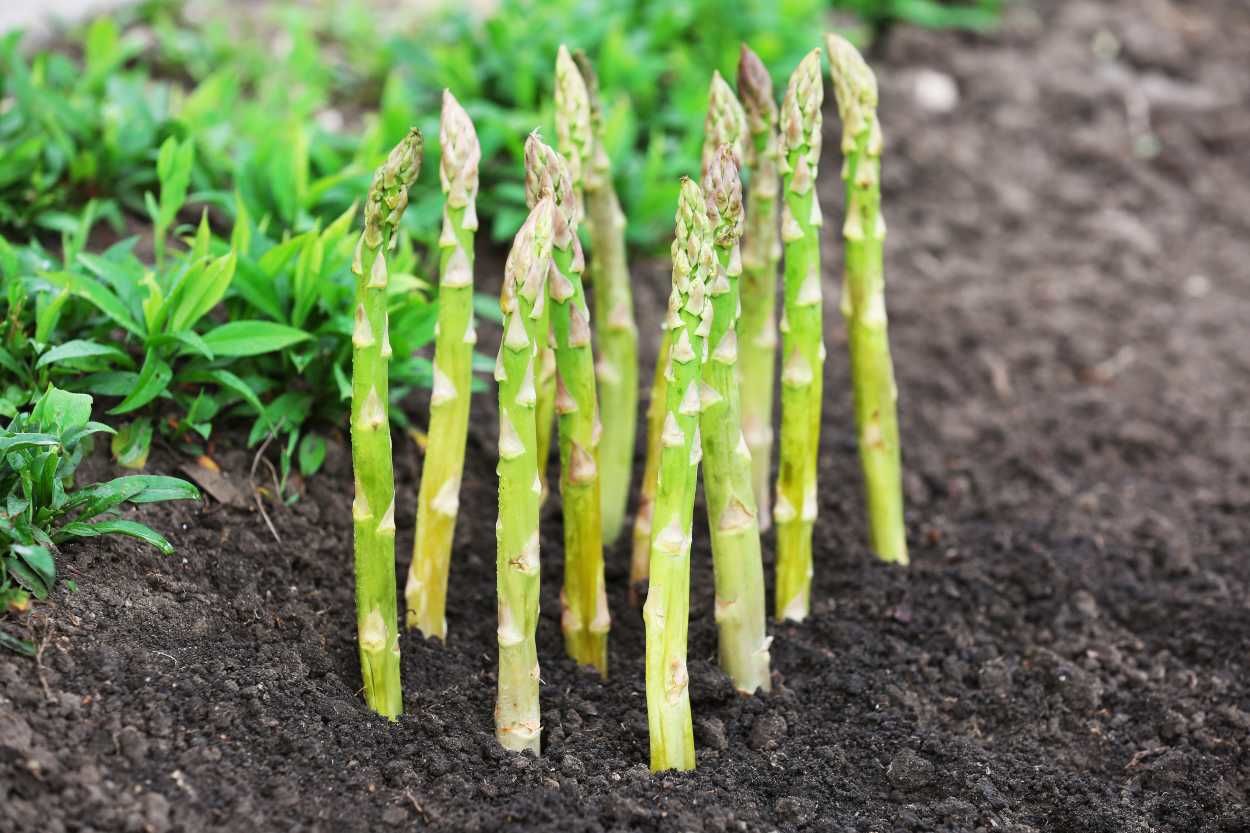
574,136
800,109
854,85
462,154
726,121
722,188
755,86
547,174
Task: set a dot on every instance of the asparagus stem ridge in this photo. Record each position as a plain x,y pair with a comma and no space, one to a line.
667,611
739,566
585,619
863,300
613,313
522,301
373,508
438,498
803,350
761,251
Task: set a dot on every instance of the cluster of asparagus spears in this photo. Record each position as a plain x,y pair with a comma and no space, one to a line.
711,396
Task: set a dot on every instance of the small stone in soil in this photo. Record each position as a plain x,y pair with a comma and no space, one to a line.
767,731
909,770
710,732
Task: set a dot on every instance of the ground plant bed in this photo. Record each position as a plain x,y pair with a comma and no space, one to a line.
1069,259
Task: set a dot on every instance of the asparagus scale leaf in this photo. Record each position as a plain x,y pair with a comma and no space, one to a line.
667,610
803,350
438,498
761,250
585,619
612,308
522,301
373,509
863,300
732,515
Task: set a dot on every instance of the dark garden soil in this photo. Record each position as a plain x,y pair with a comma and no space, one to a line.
1070,287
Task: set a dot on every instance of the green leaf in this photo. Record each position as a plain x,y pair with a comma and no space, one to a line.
113,383
130,529
34,568
287,412
487,306
61,410
344,384
173,168
100,297
232,382
48,314
202,292
194,343
155,488
153,379
19,646
22,442
82,349
256,287
312,454
131,443
252,338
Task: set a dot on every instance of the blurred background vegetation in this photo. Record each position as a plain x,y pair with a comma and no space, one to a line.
292,104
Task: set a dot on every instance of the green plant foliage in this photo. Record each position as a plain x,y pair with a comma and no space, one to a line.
74,131
932,14
39,453
251,327
654,59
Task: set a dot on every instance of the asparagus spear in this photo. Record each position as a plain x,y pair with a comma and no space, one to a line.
761,249
517,724
439,496
802,345
724,125
863,300
546,409
739,566
667,611
640,558
613,312
585,620
373,509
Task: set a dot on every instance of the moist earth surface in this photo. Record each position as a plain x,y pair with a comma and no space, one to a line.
1069,284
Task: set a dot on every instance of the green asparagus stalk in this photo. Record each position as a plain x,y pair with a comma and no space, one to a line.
725,124
802,339
640,558
546,410
739,566
585,620
761,249
667,611
373,509
613,315
863,300
438,499
517,721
